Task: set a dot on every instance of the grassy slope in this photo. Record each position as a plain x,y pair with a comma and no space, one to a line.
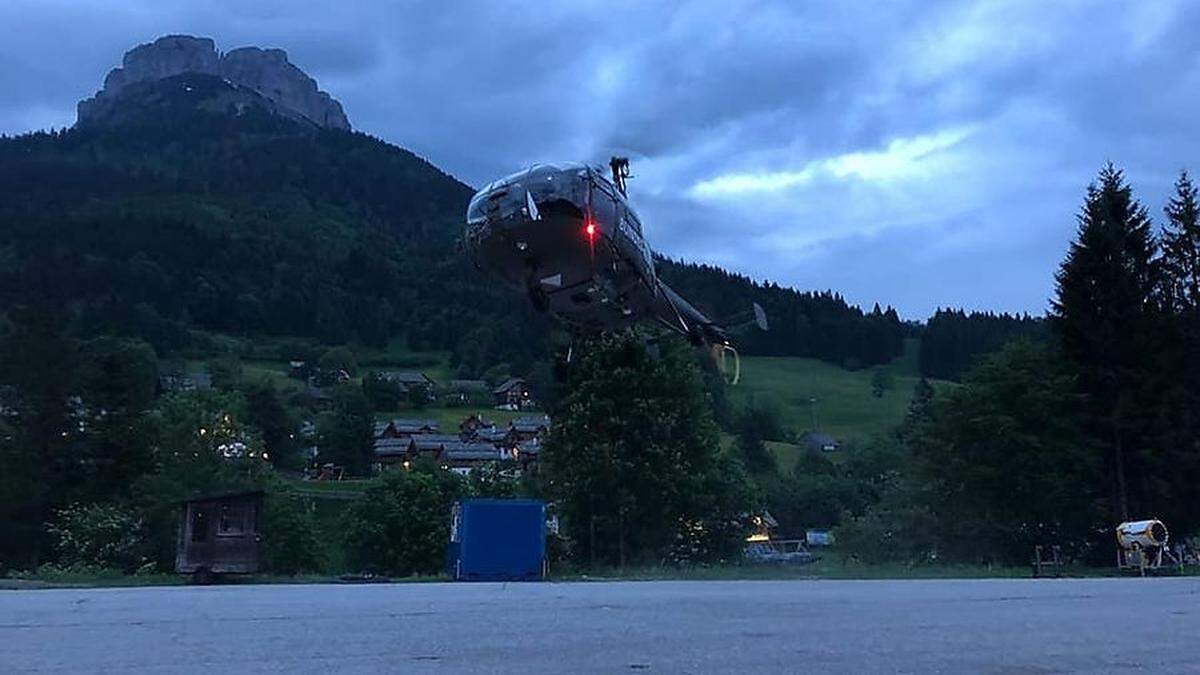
845,406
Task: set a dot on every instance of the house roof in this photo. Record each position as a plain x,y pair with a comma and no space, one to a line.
392,446
230,494
508,384
433,441
414,425
408,377
492,434
531,423
470,451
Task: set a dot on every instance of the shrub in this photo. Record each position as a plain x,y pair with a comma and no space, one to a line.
291,544
100,535
401,525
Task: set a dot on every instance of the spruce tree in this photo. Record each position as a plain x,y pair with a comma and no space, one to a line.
1181,247
1103,316
1178,431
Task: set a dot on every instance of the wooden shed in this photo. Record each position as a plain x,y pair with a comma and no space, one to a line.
219,534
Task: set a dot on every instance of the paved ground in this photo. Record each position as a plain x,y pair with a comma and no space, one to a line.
995,626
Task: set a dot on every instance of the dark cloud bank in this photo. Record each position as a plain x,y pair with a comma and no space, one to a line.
921,154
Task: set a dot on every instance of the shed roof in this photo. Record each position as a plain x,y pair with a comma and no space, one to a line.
231,494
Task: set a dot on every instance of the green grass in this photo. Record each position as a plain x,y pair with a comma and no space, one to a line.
830,566
786,455
844,404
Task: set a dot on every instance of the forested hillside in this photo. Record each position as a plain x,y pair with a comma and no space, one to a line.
174,217
953,340
817,325
178,218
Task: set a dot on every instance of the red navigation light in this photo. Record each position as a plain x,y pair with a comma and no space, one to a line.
590,229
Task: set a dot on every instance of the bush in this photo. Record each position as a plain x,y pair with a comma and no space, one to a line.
383,394
101,536
291,544
401,525
895,530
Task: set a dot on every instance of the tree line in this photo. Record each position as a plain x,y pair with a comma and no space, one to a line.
1057,440
952,340
816,325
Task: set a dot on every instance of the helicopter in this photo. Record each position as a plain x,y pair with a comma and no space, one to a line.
566,235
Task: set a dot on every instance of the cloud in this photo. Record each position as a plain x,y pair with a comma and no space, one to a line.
903,159
919,153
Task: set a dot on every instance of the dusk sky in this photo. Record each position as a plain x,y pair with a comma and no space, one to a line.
918,154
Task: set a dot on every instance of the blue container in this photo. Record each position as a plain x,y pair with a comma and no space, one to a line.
498,540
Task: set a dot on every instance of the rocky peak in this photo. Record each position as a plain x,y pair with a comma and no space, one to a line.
266,72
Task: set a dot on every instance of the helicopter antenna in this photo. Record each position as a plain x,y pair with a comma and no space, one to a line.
620,172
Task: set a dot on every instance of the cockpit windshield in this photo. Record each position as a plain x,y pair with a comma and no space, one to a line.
544,182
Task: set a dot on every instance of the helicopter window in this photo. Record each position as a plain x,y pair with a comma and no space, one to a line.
475,210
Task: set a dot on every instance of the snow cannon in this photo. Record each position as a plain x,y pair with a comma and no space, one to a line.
1142,534
1142,545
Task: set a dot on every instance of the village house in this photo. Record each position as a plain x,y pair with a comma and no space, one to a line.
513,394
529,427
401,442
412,381
472,424
403,428
463,392
527,452
430,445
391,451
461,457
499,436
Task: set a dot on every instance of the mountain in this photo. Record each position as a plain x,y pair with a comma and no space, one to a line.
249,74
184,203
204,192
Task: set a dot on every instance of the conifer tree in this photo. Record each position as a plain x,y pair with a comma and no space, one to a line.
1103,316
1181,247
1178,433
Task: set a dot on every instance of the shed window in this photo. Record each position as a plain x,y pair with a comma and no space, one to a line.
232,521
199,525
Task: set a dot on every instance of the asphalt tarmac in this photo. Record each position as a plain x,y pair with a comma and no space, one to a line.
968,626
